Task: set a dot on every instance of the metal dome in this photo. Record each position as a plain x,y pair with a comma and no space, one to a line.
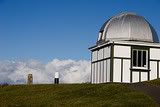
127,26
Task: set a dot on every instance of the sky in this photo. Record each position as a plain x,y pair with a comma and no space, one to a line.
38,33
63,29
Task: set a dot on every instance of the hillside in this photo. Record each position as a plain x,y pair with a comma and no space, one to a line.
107,95
155,82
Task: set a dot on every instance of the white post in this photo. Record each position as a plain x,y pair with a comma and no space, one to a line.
56,79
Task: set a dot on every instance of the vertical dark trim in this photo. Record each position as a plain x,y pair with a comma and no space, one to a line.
100,72
106,71
157,69
148,75
148,63
91,79
131,65
131,76
95,69
103,67
111,62
97,55
121,70
139,76
96,72
93,73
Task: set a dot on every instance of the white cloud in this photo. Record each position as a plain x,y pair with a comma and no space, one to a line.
70,71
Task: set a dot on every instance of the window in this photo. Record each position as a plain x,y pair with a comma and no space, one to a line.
139,58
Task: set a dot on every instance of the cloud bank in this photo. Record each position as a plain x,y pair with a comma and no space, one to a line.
70,71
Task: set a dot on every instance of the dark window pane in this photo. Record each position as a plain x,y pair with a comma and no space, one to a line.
139,58
134,57
144,58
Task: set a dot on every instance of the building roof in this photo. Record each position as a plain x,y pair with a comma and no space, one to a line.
127,27
126,43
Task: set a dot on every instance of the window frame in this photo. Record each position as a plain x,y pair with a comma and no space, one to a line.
141,50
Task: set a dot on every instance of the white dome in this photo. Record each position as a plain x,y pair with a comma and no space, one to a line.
127,26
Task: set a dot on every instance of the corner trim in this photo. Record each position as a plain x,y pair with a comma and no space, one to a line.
111,62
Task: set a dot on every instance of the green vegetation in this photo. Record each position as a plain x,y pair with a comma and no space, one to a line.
108,95
155,82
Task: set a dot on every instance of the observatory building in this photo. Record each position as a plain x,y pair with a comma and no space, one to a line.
127,50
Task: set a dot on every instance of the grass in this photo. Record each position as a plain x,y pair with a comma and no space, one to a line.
107,95
155,82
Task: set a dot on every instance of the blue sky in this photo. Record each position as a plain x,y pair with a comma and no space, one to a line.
63,29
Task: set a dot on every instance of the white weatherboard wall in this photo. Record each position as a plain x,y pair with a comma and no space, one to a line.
153,72
105,72
107,52
144,76
95,74
94,56
98,73
121,65
117,70
126,71
102,72
108,70
155,53
101,67
154,64
122,51
92,74
100,54
135,76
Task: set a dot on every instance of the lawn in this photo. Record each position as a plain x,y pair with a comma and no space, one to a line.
155,82
108,95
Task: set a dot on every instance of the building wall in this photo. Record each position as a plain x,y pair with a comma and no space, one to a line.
122,51
155,53
144,76
117,70
154,63
153,72
121,63
126,71
135,77
101,65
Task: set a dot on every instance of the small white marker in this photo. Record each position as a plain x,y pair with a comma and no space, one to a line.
56,79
